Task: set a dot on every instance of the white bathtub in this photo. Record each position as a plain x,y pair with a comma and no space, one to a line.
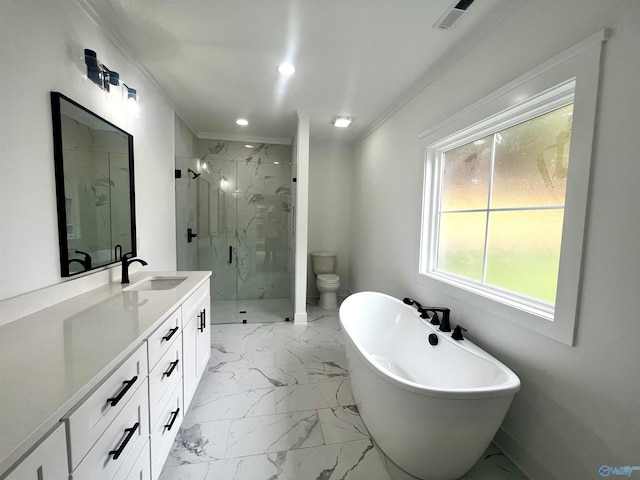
433,410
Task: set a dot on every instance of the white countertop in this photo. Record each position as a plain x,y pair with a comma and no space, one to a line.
51,359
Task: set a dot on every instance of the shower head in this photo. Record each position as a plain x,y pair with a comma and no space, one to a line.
195,175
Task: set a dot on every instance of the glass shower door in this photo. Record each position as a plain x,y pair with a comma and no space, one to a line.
220,254
206,226
240,209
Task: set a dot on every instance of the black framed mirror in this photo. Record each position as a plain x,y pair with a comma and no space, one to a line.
94,188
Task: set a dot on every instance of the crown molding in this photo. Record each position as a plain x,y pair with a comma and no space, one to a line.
451,57
243,138
88,6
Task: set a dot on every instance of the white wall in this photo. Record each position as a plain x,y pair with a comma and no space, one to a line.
41,49
330,207
301,209
578,408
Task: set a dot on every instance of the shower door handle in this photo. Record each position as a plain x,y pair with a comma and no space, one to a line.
230,254
190,235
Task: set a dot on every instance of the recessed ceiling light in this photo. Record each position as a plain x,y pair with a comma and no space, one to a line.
276,163
342,122
248,146
243,122
286,69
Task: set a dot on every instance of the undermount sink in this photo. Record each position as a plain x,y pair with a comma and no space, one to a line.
156,283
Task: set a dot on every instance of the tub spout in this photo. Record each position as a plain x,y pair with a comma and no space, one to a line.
435,320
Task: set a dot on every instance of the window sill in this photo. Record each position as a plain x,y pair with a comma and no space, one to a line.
527,315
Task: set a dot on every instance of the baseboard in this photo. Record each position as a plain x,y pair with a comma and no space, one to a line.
521,458
300,318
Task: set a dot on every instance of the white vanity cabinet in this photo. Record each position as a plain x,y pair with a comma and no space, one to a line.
196,340
113,404
47,462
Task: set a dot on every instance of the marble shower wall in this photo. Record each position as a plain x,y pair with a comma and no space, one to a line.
247,206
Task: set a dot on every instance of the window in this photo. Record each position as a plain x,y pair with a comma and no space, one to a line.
505,195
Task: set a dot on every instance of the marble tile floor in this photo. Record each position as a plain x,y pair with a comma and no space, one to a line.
275,404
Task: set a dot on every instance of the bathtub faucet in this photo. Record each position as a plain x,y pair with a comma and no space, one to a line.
435,320
410,301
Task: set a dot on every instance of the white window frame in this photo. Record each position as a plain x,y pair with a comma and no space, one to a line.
571,77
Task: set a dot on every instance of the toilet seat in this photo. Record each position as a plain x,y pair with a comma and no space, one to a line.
328,278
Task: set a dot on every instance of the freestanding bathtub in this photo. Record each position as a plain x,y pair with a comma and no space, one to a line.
433,410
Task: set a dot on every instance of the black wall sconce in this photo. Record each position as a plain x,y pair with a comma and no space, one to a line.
103,76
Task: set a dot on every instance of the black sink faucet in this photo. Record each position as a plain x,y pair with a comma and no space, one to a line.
126,261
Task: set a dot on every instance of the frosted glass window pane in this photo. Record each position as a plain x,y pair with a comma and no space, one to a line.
462,244
531,161
465,176
523,252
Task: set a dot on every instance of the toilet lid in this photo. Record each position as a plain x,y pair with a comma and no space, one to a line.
328,278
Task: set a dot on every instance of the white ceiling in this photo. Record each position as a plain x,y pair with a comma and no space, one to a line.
217,59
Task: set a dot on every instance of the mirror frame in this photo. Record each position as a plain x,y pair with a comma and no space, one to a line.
58,156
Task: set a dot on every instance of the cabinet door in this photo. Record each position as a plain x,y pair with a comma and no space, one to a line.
47,462
203,338
189,362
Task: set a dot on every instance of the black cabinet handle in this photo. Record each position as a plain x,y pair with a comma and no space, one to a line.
129,431
171,333
190,235
127,385
203,320
230,254
171,369
174,415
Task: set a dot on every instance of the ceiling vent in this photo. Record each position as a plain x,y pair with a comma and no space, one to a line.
452,14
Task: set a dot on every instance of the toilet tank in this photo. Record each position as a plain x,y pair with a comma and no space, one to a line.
323,262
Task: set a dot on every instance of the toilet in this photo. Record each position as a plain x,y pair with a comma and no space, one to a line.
327,282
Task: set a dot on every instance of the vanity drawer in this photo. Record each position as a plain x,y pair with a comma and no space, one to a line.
142,468
160,340
87,421
163,380
47,462
192,304
118,449
165,431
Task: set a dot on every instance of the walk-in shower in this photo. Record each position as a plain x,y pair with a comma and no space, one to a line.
234,217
